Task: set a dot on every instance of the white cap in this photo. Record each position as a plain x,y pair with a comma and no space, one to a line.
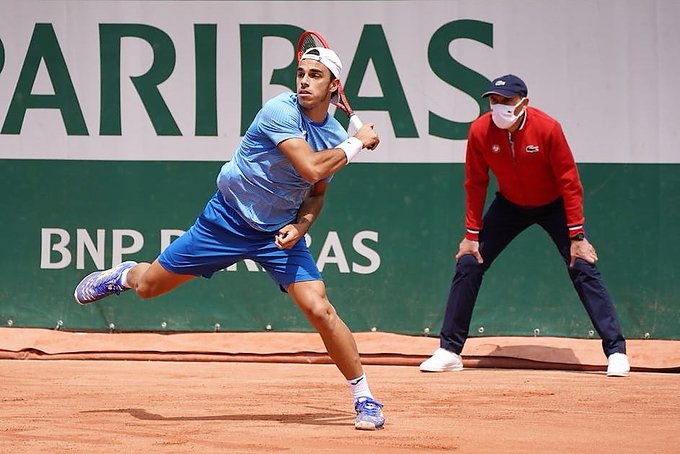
326,56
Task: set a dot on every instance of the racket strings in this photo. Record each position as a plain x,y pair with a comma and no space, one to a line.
309,42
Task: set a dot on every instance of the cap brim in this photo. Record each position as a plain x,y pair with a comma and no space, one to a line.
505,94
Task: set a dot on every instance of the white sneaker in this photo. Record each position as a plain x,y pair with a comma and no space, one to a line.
442,361
617,365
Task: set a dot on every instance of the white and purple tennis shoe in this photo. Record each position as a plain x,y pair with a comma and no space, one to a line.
101,284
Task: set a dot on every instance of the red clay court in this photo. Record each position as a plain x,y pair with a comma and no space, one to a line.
271,392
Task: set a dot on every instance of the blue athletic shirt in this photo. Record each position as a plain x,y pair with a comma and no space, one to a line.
260,183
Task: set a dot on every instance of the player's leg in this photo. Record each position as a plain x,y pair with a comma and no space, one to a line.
150,279
100,284
592,292
502,223
147,279
211,244
295,271
311,298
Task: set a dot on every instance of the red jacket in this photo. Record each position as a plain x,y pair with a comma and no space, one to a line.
533,166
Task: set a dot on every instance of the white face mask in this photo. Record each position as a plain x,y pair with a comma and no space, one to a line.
503,115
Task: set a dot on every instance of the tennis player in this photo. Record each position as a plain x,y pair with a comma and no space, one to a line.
268,197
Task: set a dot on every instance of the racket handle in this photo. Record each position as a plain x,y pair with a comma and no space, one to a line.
355,122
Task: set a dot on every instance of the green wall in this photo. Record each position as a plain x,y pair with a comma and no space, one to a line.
417,211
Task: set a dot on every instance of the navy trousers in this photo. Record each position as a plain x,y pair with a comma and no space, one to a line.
503,221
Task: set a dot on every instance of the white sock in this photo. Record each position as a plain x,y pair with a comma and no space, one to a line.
123,279
359,387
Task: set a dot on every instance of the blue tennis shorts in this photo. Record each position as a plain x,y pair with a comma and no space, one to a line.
220,237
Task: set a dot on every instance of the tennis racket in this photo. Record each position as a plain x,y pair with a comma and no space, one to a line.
311,39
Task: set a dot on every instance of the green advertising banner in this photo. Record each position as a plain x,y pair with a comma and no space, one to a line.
385,244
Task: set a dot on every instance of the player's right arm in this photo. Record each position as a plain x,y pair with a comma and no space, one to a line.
315,166
312,166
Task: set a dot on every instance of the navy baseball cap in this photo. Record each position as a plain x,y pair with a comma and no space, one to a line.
507,86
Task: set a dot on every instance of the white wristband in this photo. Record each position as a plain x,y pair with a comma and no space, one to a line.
351,147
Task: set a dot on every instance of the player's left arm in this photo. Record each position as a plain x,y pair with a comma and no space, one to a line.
308,213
